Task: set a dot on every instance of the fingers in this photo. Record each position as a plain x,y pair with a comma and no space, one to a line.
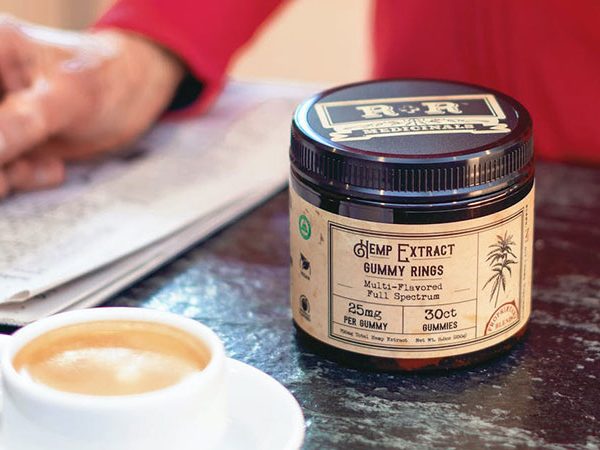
34,172
29,117
22,124
71,150
15,57
4,185
38,99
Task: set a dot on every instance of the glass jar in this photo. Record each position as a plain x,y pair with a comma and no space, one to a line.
411,223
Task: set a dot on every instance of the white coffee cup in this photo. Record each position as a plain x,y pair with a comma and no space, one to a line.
190,414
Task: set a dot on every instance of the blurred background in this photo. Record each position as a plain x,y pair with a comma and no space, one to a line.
301,42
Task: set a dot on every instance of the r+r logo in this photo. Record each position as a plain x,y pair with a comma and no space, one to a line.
430,108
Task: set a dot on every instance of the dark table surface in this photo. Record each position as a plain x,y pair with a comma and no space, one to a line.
544,394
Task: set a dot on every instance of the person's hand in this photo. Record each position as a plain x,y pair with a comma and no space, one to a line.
68,95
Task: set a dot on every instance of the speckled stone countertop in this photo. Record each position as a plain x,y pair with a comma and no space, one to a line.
544,394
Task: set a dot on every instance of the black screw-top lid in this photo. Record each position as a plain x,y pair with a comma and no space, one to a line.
413,140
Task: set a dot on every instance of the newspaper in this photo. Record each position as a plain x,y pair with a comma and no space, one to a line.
115,221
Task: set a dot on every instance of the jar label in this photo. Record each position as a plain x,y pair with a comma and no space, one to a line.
411,291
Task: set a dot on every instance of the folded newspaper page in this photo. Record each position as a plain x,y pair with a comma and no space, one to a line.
116,220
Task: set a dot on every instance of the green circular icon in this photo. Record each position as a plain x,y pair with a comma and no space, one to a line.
304,227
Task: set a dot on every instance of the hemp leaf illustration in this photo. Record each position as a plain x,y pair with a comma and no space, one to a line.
499,259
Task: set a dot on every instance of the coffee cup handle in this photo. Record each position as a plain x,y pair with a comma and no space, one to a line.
4,340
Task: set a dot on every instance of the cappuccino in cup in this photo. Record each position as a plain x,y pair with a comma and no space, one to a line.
112,357
113,378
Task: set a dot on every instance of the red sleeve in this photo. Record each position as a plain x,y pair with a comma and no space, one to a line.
204,34
544,53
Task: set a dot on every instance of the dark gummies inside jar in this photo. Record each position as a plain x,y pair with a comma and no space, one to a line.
411,220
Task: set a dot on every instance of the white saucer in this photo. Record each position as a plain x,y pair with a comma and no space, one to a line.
262,414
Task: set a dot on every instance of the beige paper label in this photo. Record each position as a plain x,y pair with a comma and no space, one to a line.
411,291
